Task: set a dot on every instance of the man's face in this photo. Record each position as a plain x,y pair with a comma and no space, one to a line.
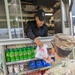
39,23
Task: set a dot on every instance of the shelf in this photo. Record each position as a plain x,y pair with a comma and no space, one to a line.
23,40
31,71
16,62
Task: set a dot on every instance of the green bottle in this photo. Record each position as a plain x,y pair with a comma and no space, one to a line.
29,52
25,53
16,54
33,54
7,54
12,55
21,56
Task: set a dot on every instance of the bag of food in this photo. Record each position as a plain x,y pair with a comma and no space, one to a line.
41,52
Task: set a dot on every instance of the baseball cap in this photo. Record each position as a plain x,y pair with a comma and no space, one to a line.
64,41
40,14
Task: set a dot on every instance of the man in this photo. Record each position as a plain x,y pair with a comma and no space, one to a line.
62,46
37,28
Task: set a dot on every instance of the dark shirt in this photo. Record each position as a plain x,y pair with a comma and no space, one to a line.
33,31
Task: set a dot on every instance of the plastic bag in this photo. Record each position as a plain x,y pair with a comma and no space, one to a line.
41,52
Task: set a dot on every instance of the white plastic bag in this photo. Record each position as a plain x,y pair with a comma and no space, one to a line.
41,52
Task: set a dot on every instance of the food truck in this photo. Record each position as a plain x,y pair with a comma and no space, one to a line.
17,52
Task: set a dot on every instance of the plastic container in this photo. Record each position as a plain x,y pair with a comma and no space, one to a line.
39,64
29,52
25,53
12,55
32,65
7,54
16,54
32,54
21,54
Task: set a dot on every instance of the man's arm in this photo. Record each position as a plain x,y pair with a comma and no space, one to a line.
32,36
38,42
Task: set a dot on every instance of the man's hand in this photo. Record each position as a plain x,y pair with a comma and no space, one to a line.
38,42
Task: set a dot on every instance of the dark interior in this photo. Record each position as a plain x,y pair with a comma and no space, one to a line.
45,3
52,6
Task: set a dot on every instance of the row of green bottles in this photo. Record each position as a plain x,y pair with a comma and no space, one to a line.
16,54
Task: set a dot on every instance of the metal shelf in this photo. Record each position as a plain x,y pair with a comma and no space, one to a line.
31,71
23,40
16,62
